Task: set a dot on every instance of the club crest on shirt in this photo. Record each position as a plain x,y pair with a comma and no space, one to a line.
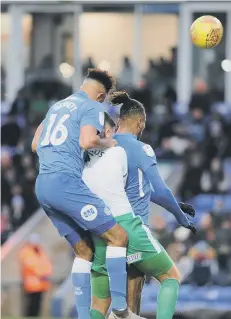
107,211
101,118
148,150
89,213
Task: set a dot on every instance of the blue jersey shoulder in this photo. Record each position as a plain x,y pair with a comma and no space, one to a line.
140,157
144,154
93,115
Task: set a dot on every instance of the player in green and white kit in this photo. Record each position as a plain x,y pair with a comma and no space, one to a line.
118,176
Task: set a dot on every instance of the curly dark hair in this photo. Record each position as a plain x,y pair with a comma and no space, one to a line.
103,77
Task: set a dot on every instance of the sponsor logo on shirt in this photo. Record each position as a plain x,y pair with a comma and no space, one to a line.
148,150
89,213
134,257
95,153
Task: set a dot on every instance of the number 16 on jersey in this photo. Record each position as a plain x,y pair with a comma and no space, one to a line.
56,134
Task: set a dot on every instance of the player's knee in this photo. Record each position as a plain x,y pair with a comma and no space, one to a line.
173,273
177,275
83,251
121,238
116,236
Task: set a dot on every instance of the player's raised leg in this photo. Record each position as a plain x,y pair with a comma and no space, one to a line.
157,264
101,295
101,224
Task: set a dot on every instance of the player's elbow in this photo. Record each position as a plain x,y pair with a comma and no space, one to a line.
33,146
88,142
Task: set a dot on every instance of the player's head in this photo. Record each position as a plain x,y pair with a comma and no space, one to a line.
132,113
97,84
109,126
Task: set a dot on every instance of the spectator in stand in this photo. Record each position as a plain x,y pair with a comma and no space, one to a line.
39,106
204,264
201,98
36,270
125,76
191,185
216,139
28,182
5,223
151,75
18,206
10,132
160,230
6,164
213,180
144,95
223,248
21,106
195,125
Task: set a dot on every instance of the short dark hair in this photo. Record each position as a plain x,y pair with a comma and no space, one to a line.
129,106
103,77
109,120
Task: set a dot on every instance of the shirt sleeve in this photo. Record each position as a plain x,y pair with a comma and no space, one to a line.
147,157
93,115
163,196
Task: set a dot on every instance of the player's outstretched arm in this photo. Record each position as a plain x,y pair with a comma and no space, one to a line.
163,197
89,139
36,138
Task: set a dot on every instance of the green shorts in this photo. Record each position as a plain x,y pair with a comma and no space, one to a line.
143,252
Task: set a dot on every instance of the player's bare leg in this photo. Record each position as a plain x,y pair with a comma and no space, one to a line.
168,291
134,289
84,249
101,306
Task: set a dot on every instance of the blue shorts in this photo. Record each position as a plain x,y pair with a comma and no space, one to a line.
71,206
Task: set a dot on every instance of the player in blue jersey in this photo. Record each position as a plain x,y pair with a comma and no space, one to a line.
71,126
143,183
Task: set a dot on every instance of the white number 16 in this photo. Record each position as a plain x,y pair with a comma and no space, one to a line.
59,129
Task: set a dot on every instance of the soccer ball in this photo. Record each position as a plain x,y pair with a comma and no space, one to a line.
206,32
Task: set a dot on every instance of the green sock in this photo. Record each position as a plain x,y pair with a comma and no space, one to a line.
167,298
95,314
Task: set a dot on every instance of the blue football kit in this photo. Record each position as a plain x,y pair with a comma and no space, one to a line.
140,157
144,182
61,192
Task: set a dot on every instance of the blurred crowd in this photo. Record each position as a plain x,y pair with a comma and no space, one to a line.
199,138
204,259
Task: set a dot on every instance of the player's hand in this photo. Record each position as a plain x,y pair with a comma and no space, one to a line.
192,227
187,209
186,223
